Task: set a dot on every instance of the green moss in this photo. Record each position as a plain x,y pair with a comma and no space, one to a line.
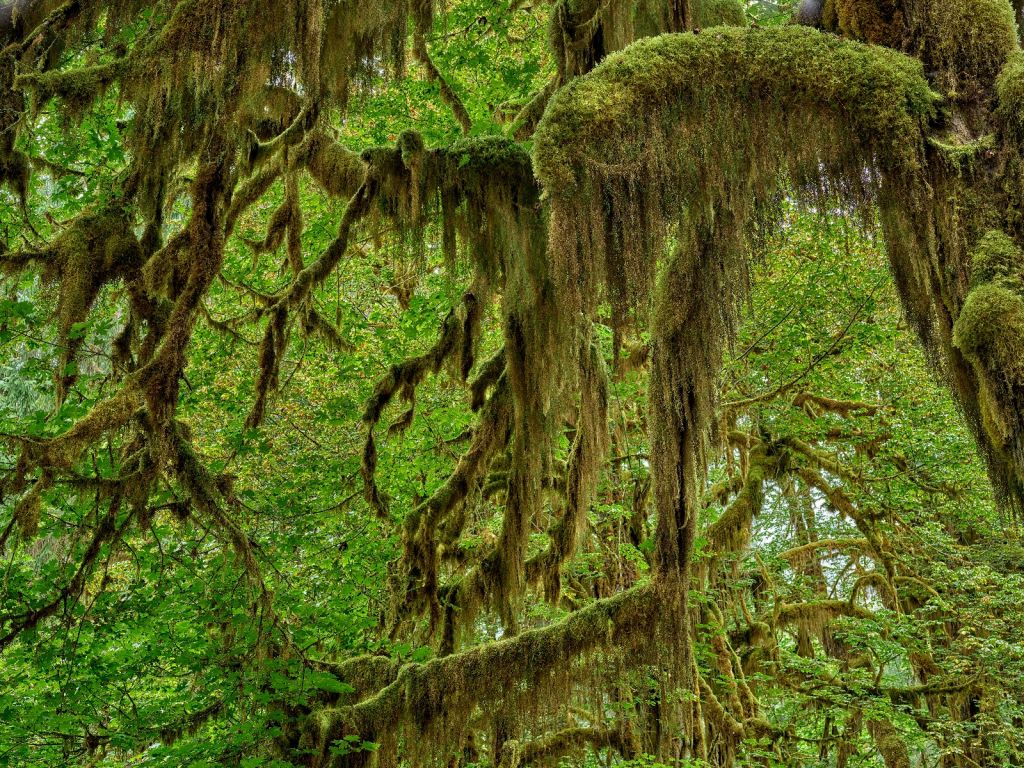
77,88
963,155
966,42
731,531
1010,95
96,249
871,21
663,85
483,188
962,43
996,256
714,13
15,172
990,328
27,511
701,130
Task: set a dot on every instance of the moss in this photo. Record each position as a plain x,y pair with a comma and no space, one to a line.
693,135
104,418
1010,95
962,43
15,173
250,192
76,88
990,333
486,197
881,23
431,702
890,743
731,531
95,249
27,511
996,256
815,616
965,42
991,327
882,96
714,13
337,170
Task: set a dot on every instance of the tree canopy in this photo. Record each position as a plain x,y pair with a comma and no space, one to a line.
497,383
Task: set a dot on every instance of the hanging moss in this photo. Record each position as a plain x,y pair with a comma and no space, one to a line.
691,136
989,331
712,122
76,88
431,702
403,379
15,172
882,95
199,59
731,531
890,743
28,509
94,250
815,616
250,192
338,171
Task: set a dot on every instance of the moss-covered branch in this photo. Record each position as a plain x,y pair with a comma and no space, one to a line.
433,700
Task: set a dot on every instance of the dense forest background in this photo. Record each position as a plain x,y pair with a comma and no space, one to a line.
389,383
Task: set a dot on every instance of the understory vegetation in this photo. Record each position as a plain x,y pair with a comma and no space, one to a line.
496,383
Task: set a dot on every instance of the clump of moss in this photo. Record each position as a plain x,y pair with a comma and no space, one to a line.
583,32
714,13
997,256
1010,95
989,332
991,328
965,42
95,249
882,98
890,743
962,43
881,23
731,531
27,511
